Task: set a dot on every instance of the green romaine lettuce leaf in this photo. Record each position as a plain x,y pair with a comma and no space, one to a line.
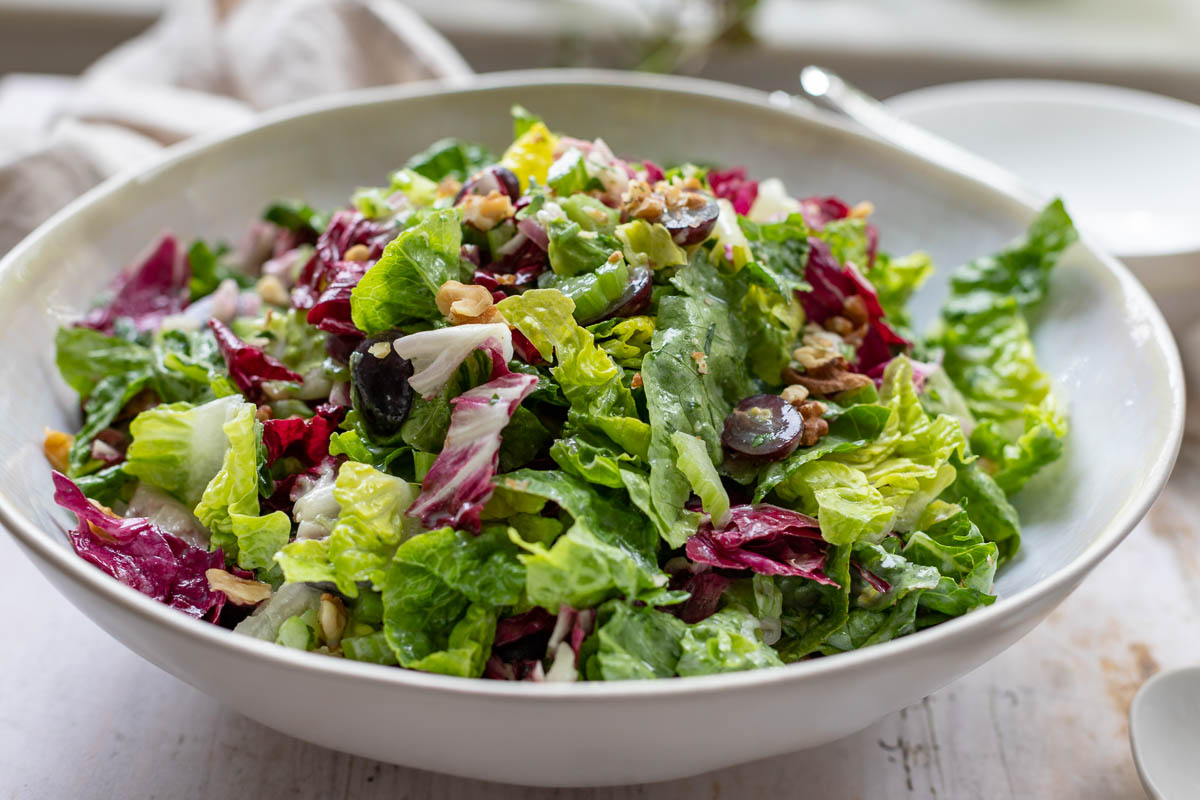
400,288
179,447
634,643
574,251
371,524
989,354
450,158
647,245
228,506
909,462
728,641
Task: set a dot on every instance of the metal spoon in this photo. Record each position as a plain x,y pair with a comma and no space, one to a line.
1164,729
827,86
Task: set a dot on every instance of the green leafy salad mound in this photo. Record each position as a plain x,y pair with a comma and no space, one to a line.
559,415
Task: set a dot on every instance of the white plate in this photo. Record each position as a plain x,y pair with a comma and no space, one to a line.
1099,334
1127,162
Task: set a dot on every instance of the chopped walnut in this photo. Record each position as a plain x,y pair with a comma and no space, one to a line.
812,358
795,395
272,290
240,591
643,201
486,211
701,360
448,187
814,426
826,378
466,303
636,383
862,210
359,252
57,447
853,323
332,618
263,413
855,310
840,325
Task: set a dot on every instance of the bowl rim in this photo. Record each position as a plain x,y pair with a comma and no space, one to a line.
1077,94
52,555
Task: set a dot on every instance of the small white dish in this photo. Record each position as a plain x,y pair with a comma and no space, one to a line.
1127,162
1164,729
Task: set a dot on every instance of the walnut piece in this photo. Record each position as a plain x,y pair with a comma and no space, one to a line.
826,378
448,187
795,395
643,201
240,591
464,304
57,447
814,426
272,290
486,211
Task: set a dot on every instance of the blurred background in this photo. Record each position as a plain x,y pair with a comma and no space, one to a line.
884,45
90,87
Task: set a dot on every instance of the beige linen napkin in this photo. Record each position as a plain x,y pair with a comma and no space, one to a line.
206,65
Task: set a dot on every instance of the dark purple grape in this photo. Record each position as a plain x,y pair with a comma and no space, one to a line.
379,386
764,427
633,300
691,225
491,179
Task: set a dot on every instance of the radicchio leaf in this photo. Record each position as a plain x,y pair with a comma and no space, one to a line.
832,285
346,229
306,440
765,539
459,482
705,589
249,367
141,555
733,185
146,294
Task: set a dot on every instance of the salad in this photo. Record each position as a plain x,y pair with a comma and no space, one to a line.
559,415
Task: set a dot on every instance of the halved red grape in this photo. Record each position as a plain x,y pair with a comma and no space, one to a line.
379,386
491,179
764,427
690,223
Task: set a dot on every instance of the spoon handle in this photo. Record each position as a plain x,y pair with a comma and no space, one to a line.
823,84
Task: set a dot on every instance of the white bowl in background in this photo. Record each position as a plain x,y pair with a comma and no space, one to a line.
1098,334
1127,162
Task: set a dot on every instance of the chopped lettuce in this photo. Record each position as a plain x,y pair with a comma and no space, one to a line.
228,506
371,525
400,288
989,354
179,447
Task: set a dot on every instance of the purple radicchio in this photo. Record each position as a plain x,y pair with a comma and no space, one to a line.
832,285
142,556
155,289
249,367
705,590
459,483
733,185
765,539
326,281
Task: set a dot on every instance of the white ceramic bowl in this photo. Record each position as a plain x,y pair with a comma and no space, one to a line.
1099,334
1127,162
1164,731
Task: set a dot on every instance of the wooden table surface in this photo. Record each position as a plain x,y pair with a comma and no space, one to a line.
82,717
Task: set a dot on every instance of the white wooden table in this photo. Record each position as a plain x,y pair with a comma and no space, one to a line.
81,717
